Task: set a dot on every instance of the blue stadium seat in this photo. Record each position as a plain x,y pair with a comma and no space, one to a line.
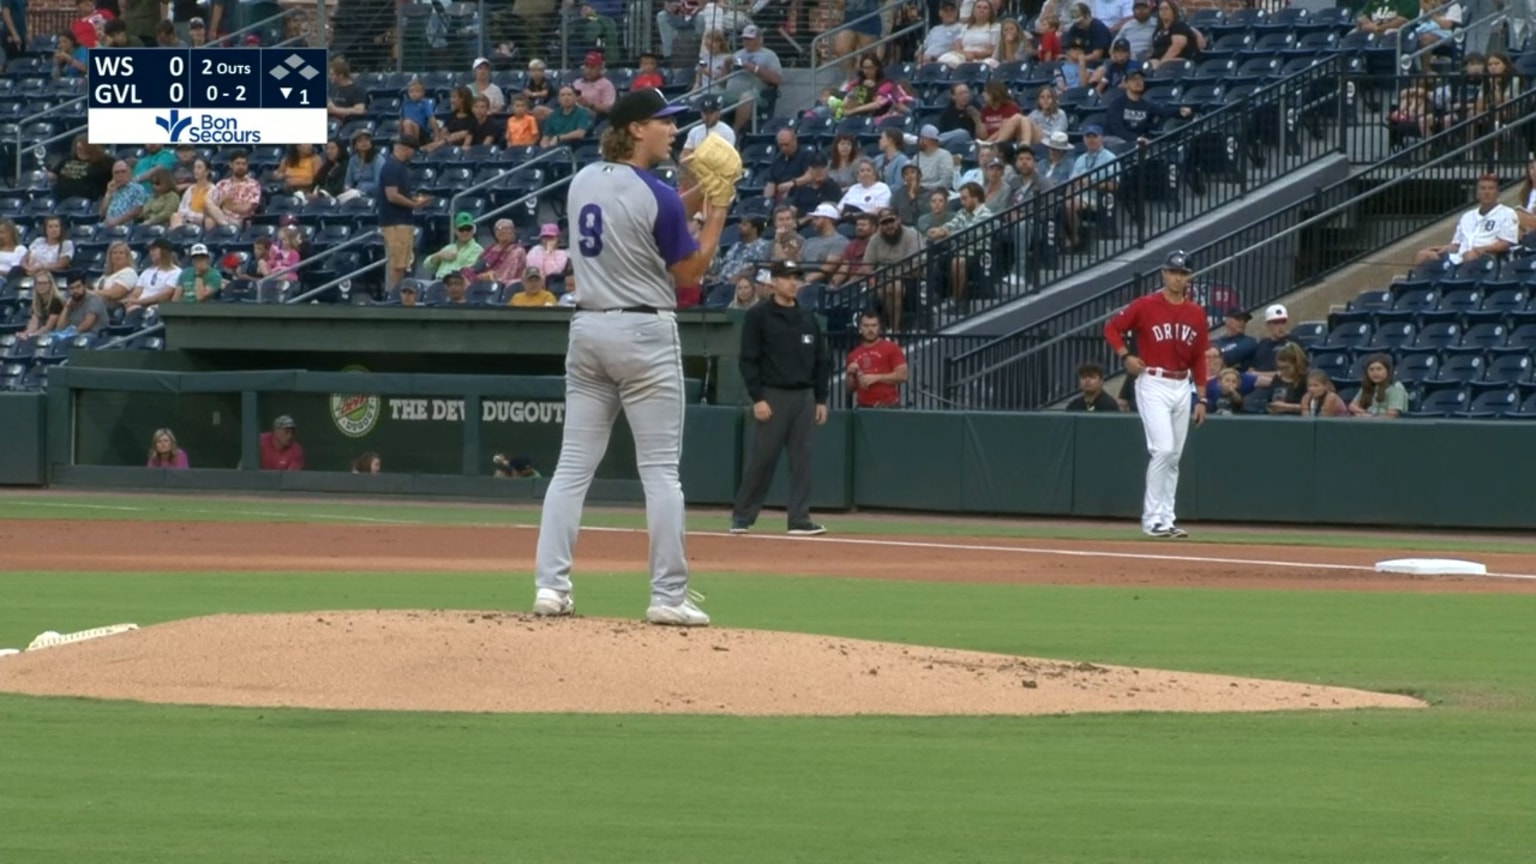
1457,369
1442,403
1416,368
11,376
1317,44
1348,336
1310,334
1497,304
1491,404
1505,371
1391,336
1217,71
1335,363
1480,339
1274,43
1435,337
238,291
1254,69
1171,70
1452,305
14,349
1522,340
1227,46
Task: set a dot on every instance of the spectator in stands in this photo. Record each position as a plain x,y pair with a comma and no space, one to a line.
868,195
761,72
709,109
674,17
154,156
1137,31
69,59
822,254
853,267
1227,393
482,85
715,62
1013,44
1090,383
548,256
938,213
197,33
1277,335
876,367
522,126
1289,384
1525,210
1027,184
1130,116
960,121
1459,96
331,179
892,244
417,107
167,37
200,282
996,187
114,34
743,259
978,38
843,164
1087,34
1111,75
592,30
484,130
909,198
594,91
1090,189
345,98
163,450
1072,72
744,295
159,281
1048,33
720,15
787,242
870,93
973,211
50,251
235,198
1414,115
569,122
1384,17
455,291
455,131
84,312
195,198
891,158
88,24
1490,228
281,258
124,200
936,165
944,36
1174,39
461,253
985,155
279,449
1381,396
504,260
789,168
1233,342
363,167
163,201
368,463
181,166
814,187
539,89
1441,22
533,293
1001,119
647,74
47,307
13,253
408,294
85,174
1320,398
120,277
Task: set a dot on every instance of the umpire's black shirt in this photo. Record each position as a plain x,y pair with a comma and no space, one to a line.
782,347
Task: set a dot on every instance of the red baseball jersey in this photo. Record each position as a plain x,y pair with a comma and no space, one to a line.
880,357
1171,336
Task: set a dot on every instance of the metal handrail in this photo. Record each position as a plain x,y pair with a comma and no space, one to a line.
43,144
157,327
250,28
1459,36
453,203
347,277
359,240
921,25
517,202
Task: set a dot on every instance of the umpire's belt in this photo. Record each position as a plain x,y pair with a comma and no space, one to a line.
638,310
1174,374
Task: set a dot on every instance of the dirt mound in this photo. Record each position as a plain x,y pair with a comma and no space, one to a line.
504,662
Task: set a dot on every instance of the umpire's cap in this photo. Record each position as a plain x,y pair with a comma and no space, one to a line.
1177,261
640,106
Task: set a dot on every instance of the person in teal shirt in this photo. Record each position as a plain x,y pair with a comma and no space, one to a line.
155,156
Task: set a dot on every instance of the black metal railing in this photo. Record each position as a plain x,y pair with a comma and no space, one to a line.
1387,113
1261,262
1147,191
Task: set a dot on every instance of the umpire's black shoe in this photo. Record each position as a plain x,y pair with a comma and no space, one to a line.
806,529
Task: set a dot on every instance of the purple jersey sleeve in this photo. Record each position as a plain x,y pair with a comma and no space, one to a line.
671,228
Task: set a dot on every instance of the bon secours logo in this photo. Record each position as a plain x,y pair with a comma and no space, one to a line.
355,414
208,129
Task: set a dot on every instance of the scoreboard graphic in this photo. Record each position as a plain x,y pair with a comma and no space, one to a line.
207,96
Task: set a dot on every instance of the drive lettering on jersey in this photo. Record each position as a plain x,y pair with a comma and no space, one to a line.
1173,333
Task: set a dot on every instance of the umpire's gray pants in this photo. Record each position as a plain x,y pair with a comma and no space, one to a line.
634,362
789,427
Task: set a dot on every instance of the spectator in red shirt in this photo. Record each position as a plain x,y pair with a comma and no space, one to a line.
87,28
875,367
279,452
648,77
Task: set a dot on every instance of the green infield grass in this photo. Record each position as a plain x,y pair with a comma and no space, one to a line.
87,781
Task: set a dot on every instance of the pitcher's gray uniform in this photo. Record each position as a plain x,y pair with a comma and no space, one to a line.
628,228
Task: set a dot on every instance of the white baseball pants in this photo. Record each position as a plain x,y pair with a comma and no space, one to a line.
1164,405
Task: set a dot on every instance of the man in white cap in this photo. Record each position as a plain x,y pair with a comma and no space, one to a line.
1058,159
936,164
1277,334
709,107
201,281
482,86
757,69
822,252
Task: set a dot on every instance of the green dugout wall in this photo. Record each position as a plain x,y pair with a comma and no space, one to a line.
436,433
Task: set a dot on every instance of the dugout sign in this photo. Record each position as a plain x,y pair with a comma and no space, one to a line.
207,96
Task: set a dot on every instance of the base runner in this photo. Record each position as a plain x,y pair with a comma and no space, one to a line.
631,248
1172,335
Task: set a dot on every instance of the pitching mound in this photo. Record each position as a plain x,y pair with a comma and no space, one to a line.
496,661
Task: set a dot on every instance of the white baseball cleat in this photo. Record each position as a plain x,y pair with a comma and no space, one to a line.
684,614
548,603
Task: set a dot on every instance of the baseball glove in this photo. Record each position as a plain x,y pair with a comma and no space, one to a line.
715,166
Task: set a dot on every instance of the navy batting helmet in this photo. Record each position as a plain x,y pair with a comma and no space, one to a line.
1177,260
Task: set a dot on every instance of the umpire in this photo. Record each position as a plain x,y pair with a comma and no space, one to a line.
785,366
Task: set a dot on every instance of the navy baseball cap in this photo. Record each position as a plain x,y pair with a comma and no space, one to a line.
1093,129
640,106
784,268
710,103
1177,260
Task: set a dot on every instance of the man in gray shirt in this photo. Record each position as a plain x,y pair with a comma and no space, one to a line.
937,165
821,253
893,243
757,69
85,312
1138,30
942,36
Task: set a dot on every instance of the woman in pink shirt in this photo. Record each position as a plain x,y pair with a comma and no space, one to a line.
502,261
163,452
548,256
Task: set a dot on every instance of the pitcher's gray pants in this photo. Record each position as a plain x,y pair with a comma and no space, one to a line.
790,427
634,362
